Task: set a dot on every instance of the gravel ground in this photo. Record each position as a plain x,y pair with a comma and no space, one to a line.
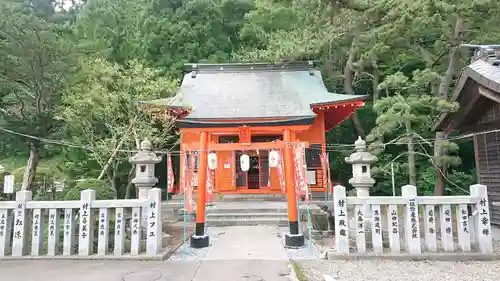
400,270
362,270
309,252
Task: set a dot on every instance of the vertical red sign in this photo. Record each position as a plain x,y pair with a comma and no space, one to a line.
244,134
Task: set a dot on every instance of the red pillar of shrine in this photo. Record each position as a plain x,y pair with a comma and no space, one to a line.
294,238
199,239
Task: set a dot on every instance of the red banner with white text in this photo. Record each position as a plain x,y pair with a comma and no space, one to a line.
281,174
328,176
190,182
184,173
209,187
301,184
170,174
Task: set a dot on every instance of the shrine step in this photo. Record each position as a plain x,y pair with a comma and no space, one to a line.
249,197
174,211
236,197
262,210
246,222
245,214
315,195
250,216
277,207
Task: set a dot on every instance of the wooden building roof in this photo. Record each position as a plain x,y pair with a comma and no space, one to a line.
271,93
477,91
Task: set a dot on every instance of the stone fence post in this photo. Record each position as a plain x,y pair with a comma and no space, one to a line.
154,227
482,220
86,234
5,231
412,227
20,241
341,221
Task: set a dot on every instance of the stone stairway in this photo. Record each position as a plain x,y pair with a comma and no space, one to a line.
172,211
247,214
320,196
237,197
237,209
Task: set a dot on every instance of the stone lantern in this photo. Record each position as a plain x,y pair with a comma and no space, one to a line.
145,161
145,179
361,162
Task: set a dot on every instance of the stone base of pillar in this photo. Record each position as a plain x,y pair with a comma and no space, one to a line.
367,229
368,237
166,238
368,234
198,242
294,240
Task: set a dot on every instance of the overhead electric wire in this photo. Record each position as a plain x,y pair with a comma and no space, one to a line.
336,147
328,147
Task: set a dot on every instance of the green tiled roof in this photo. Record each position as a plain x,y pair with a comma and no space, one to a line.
246,91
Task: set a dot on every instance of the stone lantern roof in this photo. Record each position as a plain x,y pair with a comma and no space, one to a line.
145,155
361,156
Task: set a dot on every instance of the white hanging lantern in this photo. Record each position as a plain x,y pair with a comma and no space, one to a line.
244,162
274,158
212,161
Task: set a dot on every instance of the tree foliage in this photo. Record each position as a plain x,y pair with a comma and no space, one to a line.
34,59
403,117
102,109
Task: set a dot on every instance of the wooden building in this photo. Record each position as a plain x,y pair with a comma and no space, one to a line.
234,109
478,94
252,104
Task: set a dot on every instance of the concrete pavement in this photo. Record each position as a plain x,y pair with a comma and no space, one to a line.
81,270
247,242
237,254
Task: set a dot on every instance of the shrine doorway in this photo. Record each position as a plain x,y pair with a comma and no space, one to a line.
253,173
257,176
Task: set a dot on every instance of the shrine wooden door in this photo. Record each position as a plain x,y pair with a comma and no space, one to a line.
225,178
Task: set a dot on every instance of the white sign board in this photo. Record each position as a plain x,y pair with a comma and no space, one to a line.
311,177
8,184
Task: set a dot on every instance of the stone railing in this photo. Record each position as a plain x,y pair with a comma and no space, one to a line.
394,224
87,228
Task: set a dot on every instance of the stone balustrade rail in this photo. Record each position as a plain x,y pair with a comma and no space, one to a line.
81,228
470,214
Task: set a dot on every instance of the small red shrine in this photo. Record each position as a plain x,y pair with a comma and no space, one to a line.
251,109
248,109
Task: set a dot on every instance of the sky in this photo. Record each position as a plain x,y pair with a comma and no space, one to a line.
66,4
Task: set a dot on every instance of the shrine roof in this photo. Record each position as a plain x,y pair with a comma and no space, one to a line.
481,72
252,91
